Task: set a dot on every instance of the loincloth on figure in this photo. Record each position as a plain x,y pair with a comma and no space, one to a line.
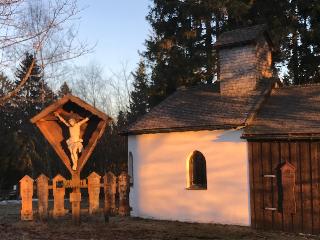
76,145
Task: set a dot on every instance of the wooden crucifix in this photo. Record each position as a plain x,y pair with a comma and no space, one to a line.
72,127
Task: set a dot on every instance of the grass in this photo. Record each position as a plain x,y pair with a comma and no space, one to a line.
94,228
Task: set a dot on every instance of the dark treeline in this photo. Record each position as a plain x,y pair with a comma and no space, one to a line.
178,52
24,149
180,49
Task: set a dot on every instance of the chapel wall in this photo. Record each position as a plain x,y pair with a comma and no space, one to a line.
160,177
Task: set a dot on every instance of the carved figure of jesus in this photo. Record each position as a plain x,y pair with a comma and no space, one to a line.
74,142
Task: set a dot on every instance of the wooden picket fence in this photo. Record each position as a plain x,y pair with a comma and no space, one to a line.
110,183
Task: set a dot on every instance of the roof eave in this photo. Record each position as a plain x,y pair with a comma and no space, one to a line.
182,129
234,44
281,136
264,33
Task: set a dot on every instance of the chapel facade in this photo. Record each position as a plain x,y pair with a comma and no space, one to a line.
244,150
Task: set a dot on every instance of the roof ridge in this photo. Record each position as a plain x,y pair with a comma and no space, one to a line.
264,95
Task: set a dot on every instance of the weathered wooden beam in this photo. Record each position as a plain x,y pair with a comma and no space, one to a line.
43,194
26,192
94,192
58,196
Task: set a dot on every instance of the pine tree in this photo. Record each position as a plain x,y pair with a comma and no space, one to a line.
34,153
174,51
35,94
18,157
139,100
180,51
294,28
7,109
64,90
303,42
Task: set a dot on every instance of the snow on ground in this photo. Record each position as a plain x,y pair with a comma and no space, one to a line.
6,202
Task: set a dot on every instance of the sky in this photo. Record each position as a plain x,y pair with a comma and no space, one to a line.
119,29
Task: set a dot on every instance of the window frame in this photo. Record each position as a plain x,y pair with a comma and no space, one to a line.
130,167
196,166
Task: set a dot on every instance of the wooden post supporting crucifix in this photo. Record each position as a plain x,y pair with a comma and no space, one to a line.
75,198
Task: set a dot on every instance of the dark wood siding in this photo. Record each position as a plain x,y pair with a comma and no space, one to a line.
265,160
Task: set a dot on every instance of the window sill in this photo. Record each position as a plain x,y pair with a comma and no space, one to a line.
195,187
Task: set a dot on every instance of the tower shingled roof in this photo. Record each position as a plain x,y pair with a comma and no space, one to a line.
242,36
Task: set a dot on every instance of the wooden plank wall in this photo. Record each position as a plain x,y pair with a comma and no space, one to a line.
265,158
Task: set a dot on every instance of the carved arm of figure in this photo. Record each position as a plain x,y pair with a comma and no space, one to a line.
83,121
61,119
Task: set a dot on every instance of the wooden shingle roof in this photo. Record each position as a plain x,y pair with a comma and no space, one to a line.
242,36
199,108
289,112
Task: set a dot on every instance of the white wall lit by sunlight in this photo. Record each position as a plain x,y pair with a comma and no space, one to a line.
159,167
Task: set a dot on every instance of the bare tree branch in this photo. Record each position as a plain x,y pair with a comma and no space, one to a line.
19,86
44,27
108,93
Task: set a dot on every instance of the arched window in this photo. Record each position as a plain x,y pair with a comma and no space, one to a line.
130,167
196,171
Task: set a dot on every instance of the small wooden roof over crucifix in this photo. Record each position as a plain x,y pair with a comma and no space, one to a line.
57,133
